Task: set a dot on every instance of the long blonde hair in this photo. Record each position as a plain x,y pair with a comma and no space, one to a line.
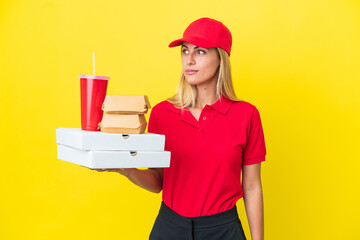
186,93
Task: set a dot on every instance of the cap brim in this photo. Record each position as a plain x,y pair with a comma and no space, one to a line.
176,43
200,42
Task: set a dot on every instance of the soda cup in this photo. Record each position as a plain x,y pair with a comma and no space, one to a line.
93,92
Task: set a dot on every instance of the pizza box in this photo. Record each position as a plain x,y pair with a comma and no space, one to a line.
114,159
96,140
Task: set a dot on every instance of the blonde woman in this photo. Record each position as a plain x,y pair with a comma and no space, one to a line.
212,137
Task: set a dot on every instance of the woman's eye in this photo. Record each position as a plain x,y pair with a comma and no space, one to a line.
201,52
185,51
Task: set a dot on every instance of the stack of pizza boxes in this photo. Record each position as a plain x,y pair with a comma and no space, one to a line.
122,141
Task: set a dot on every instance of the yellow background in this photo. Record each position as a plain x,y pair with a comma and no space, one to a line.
297,61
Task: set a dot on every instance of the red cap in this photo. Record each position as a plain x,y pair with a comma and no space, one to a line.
206,33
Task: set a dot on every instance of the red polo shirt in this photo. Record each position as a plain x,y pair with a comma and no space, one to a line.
207,155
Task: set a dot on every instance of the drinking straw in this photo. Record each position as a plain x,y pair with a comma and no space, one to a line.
93,55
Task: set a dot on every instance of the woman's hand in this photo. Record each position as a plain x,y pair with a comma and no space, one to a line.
123,171
150,179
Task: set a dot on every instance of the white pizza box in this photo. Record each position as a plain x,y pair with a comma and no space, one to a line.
114,159
96,140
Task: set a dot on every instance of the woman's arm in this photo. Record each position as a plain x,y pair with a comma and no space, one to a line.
150,179
253,200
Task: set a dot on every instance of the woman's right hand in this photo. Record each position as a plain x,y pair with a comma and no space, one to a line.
150,179
123,171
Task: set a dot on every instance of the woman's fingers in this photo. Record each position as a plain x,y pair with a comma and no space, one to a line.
110,169
113,169
122,171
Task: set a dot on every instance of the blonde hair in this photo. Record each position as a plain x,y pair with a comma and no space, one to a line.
186,93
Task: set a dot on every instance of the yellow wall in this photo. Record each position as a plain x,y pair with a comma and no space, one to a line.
297,61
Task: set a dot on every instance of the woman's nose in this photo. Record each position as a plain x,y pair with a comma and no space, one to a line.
190,59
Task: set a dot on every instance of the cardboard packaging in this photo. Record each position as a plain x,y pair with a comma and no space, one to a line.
114,159
91,140
123,123
126,104
124,114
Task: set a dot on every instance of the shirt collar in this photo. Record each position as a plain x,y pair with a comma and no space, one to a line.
222,105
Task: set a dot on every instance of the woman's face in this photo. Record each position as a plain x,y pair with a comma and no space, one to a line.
200,65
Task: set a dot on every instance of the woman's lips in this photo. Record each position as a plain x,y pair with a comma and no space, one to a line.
191,72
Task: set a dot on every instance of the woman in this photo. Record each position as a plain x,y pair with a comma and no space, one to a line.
212,137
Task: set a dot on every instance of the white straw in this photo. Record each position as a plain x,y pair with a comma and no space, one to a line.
93,55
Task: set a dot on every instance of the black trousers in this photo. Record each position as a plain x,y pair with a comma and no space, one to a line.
221,226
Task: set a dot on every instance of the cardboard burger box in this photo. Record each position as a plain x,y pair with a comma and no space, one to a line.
126,104
123,123
124,114
95,149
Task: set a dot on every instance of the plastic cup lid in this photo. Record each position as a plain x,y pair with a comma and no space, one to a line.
94,77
